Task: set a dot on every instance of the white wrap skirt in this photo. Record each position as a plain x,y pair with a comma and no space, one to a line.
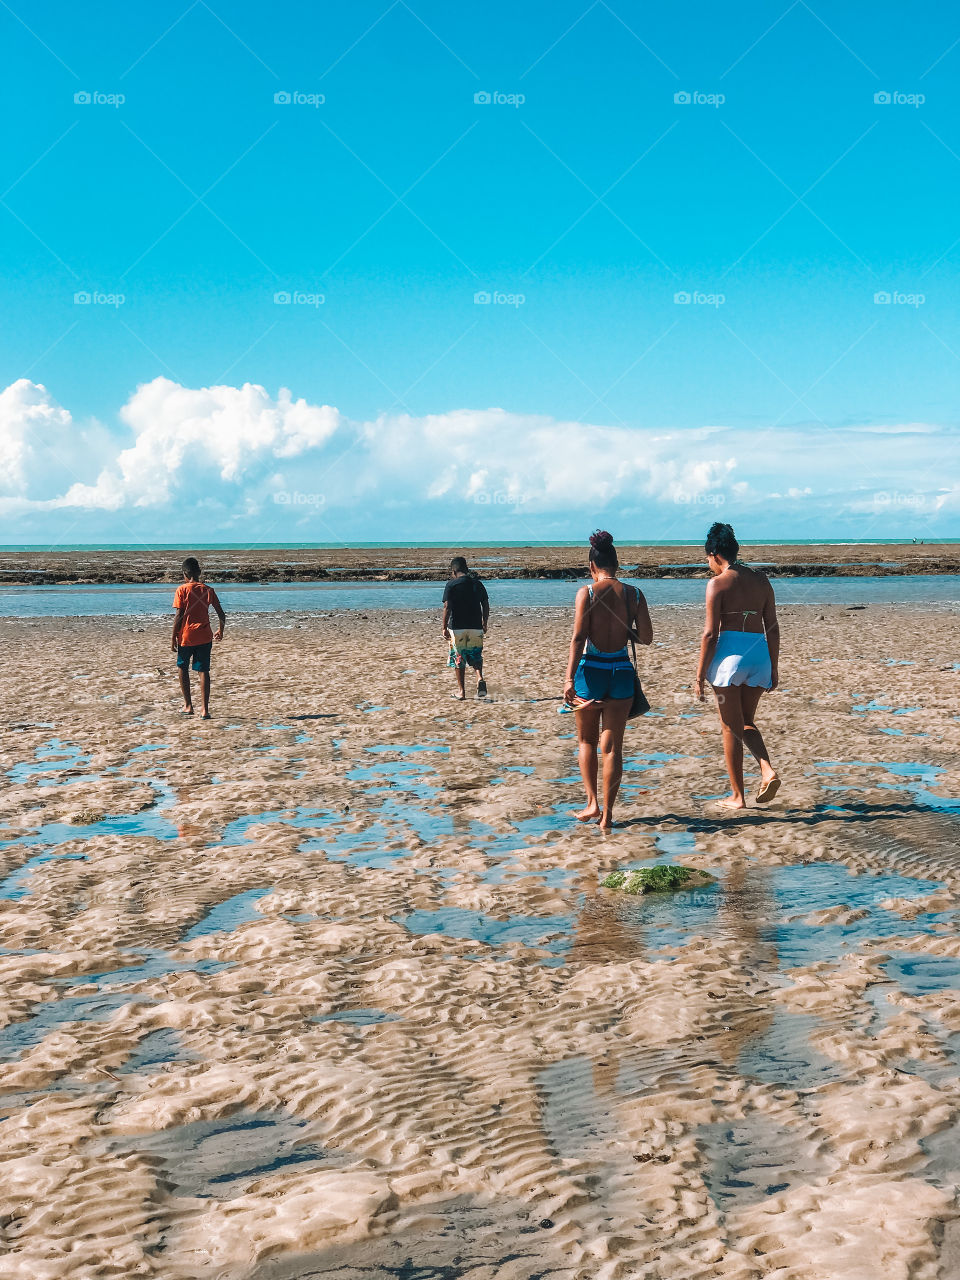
741,657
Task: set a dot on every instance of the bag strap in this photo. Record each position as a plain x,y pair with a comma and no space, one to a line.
631,631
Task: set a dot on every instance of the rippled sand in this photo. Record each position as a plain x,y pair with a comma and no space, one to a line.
326,986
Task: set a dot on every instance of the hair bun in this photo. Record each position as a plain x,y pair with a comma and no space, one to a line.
601,540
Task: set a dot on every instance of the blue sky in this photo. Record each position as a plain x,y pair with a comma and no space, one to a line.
583,199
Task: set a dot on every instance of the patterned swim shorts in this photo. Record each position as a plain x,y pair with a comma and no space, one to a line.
466,646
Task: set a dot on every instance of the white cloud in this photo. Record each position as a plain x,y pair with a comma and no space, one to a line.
241,462
200,444
42,449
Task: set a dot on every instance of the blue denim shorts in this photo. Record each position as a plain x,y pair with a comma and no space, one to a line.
604,675
197,654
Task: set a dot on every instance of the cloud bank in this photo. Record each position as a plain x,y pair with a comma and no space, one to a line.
228,463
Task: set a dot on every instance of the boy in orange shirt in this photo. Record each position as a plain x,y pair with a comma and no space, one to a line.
192,634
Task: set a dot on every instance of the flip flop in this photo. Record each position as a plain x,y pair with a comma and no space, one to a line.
768,791
458,697
481,688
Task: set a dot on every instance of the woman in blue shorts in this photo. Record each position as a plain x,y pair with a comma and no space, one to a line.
599,683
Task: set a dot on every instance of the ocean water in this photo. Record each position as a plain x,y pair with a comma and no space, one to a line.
491,543
152,601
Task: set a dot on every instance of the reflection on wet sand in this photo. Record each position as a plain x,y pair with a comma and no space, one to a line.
331,1000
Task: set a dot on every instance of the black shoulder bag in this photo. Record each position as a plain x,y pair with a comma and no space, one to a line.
640,706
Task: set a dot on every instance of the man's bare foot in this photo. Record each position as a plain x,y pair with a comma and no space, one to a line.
590,814
186,711
606,822
732,802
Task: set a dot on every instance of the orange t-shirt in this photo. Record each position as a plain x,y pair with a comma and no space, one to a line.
195,598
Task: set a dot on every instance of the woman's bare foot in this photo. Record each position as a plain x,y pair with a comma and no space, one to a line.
768,789
606,822
590,814
732,802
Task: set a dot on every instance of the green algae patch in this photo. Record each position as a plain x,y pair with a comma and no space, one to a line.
659,879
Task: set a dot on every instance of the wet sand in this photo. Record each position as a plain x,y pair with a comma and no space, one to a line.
326,986
412,564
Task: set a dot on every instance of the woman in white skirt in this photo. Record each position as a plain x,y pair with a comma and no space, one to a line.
739,655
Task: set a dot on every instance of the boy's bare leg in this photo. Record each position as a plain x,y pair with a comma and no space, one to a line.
184,674
205,693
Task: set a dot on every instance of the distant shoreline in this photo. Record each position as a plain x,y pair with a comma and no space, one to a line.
494,561
163,548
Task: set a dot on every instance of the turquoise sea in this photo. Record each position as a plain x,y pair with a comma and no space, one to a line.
285,598
489,542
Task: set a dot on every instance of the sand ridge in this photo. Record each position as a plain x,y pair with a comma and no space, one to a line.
327,986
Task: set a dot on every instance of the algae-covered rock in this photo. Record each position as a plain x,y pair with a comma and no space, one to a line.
658,879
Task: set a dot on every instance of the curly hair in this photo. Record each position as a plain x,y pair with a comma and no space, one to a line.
602,551
721,541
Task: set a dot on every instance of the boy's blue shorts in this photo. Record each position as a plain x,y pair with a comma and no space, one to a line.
198,653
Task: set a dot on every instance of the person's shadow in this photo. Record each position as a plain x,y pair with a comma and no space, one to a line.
851,811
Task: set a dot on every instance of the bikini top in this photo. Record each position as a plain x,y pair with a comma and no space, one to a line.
625,585
745,613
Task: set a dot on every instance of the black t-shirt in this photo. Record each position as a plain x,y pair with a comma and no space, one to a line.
466,597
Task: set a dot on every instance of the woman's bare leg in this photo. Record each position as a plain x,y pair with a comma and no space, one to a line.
730,706
588,733
615,713
752,738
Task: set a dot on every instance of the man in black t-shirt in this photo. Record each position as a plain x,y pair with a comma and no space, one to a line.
466,611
